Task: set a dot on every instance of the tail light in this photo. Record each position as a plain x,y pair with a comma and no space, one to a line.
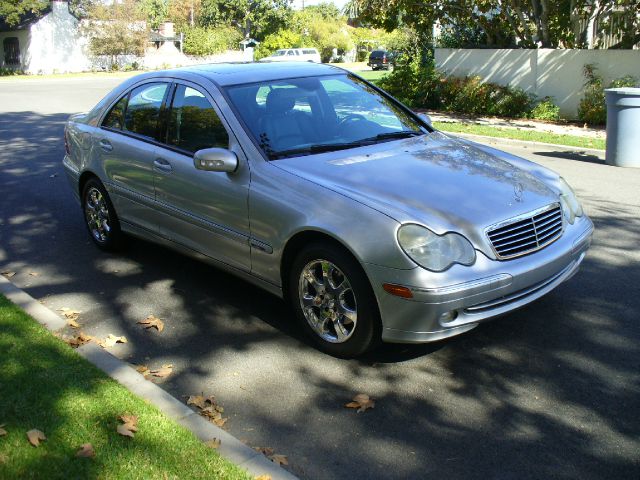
384,59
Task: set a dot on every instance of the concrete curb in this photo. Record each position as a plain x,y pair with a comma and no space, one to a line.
230,447
523,143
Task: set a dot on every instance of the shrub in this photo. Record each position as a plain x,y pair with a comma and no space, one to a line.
415,83
593,107
277,41
546,110
202,41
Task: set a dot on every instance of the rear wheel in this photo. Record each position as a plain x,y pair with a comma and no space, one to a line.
100,216
333,301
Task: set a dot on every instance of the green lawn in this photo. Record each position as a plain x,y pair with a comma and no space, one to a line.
530,135
45,385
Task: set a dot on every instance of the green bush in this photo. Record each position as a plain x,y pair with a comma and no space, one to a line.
202,41
546,110
4,72
277,41
593,108
414,83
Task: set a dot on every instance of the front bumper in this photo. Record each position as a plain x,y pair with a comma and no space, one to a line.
452,302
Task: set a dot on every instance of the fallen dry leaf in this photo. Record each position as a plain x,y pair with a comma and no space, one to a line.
144,370
8,274
279,459
73,324
34,274
266,451
124,430
35,436
68,313
220,421
197,400
131,420
3,432
163,372
129,425
78,340
152,322
362,402
213,443
263,477
86,451
111,340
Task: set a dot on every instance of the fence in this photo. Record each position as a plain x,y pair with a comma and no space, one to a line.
542,72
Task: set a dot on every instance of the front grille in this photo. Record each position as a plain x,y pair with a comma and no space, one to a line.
526,233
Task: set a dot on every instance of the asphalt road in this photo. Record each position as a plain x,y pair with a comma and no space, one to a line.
551,391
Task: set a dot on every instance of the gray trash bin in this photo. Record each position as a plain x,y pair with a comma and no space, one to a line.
623,127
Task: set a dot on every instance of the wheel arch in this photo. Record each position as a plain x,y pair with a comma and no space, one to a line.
83,179
299,241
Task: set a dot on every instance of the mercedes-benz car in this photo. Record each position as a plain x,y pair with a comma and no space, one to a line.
321,188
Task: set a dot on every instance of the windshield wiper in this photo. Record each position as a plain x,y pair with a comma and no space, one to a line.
318,148
393,135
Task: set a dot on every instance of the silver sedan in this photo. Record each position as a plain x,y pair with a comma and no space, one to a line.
319,187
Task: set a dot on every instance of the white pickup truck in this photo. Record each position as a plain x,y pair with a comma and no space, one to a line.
294,55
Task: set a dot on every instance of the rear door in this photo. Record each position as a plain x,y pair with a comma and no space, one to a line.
126,146
204,211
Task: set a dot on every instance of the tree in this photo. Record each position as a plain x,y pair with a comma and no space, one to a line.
12,10
116,29
256,18
532,23
156,11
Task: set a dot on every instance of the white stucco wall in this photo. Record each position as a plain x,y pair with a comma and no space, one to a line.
543,72
55,44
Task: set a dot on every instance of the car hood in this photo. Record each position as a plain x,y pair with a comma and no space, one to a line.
443,182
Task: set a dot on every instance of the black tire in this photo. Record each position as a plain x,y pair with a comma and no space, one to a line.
365,331
108,235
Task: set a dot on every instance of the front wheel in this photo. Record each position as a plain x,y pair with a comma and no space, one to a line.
333,301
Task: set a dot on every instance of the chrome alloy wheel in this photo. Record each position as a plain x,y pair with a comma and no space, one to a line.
328,301
96,213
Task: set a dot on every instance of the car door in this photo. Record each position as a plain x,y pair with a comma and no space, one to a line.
126,145
202,210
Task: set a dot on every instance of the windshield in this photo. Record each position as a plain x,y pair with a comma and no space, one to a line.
278,53
301,116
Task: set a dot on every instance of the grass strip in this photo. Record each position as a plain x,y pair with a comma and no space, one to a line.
527,135
45,385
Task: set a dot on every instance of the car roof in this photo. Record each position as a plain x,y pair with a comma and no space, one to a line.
225,74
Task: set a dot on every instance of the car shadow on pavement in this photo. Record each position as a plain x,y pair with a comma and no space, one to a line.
573,155
549,391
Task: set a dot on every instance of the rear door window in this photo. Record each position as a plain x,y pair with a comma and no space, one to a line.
142,115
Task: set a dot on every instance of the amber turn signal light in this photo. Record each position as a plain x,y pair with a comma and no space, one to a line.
397,290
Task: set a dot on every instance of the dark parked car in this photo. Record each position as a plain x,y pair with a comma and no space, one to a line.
381,59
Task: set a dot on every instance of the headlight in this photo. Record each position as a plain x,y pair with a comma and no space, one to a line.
570,204
435,252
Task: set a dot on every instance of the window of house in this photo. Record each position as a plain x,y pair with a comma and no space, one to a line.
11,47
193,123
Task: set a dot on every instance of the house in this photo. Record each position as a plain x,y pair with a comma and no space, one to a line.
45,42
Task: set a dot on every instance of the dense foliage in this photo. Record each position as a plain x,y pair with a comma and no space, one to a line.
420,85
506,23
202,41
593,108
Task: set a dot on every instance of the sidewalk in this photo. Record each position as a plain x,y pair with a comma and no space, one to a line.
520,124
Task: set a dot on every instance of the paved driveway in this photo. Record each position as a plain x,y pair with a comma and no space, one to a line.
552,390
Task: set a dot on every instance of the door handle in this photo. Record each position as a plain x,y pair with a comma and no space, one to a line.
106,145
162,164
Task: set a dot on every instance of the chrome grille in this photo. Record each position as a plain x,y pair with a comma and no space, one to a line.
526,233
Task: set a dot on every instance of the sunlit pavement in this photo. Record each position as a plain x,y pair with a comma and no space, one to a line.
549,391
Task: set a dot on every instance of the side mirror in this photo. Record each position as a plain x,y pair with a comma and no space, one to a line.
425,118
215,160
